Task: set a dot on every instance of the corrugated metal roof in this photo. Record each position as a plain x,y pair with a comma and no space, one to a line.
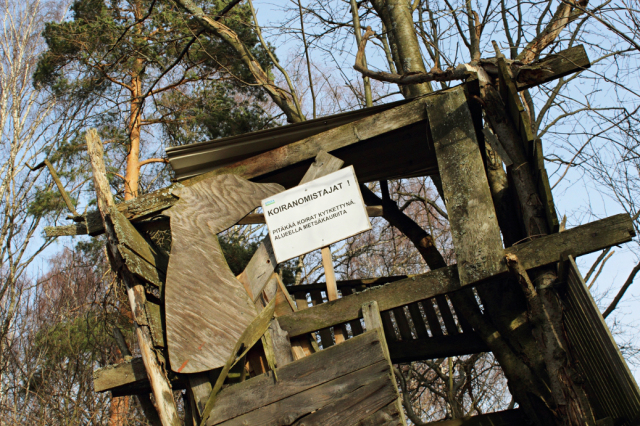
194,159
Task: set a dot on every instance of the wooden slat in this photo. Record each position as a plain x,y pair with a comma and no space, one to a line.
356,326
436,347
403,325
311,385
464,324
326,339
611,387
206,307
387,325
474,226
418,321
432,318
446,315
541,251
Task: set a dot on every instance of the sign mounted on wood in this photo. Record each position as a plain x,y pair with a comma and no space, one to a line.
316,214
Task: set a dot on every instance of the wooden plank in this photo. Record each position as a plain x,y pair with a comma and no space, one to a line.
418,321
403,325
354,284
66,230
332,289
154,318
541,251
611,387
206,307
446,315
127,378
552,67
261,164
339,360
432,318
436,347
326,339
356,325
337,402
474,226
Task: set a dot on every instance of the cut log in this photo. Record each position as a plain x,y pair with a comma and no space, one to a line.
542,251
206,307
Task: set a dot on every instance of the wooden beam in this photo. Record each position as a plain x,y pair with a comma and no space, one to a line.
128,378
552,67
542,251
474,226
363,282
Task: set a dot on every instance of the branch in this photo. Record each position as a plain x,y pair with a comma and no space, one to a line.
624,288
461,72
596,263
560,20
153,160
600,269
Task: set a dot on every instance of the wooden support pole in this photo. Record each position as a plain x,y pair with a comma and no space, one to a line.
165,404
332,286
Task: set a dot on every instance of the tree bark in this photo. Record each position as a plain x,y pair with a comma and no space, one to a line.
405,48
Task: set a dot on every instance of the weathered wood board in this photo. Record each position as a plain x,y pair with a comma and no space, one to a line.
206,307
127,378
612,390
474,226
341,385
542,251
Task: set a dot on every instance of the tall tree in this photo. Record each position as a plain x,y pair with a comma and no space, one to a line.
140,63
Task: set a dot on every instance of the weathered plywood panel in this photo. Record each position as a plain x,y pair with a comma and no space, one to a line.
474,226
611,387
207,308
340,385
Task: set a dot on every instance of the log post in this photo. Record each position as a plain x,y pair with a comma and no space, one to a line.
165,404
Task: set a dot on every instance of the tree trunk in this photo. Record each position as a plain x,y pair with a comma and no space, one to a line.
405,49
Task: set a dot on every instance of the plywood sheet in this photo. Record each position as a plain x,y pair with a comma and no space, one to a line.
207,308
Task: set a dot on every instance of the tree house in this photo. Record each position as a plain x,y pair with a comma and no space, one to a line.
521,298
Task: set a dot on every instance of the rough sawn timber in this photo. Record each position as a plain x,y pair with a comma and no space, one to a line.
206,307
541,251
474,226
340,386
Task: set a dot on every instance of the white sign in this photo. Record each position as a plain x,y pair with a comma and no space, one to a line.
316,214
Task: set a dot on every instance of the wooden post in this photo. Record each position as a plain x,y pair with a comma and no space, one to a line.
332,287
165,404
